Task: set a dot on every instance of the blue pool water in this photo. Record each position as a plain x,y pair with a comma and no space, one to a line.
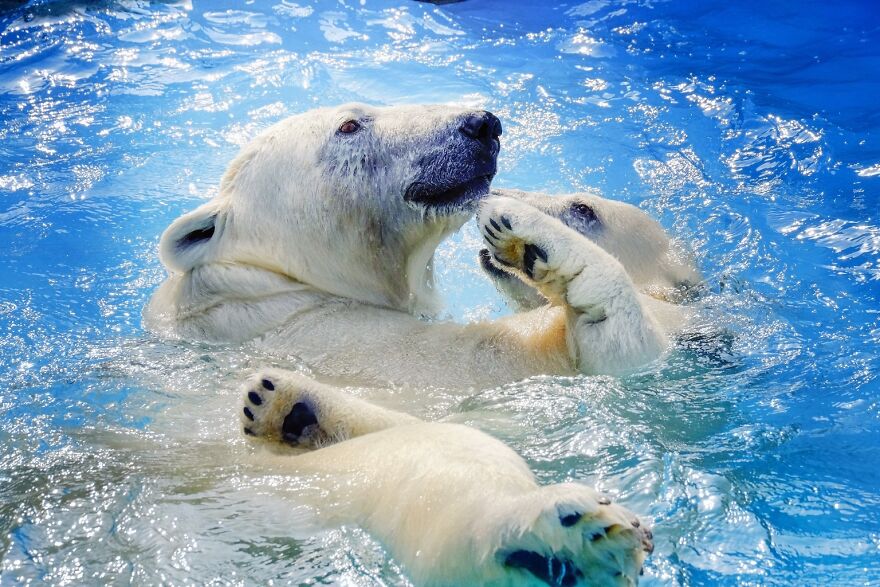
750,129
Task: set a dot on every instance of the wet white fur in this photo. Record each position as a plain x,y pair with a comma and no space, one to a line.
657,268
448,501
316,254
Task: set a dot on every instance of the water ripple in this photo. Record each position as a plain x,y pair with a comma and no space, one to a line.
749,129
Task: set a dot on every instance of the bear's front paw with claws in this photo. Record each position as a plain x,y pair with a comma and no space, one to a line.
277,409
536,246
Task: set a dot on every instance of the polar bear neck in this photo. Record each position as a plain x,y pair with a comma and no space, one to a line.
422,297
400,271
362,260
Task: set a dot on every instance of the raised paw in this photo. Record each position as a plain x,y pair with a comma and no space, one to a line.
277,409
528,242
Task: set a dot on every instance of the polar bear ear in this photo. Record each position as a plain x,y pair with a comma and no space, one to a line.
190,239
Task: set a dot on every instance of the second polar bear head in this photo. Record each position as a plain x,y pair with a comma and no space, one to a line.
656,264
351,200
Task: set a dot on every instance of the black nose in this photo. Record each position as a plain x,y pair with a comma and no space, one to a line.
482,126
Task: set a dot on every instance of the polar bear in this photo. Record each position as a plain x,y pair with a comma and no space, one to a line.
662,272
320,242
452,504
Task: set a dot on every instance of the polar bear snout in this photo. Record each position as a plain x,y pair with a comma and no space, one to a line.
459,169
485,128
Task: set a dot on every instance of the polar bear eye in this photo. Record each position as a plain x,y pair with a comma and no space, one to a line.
584,211
349,126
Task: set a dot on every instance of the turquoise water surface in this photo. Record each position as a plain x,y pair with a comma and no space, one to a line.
750,129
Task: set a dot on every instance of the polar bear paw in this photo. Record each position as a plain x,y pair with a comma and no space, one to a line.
526,241
278,408
601,544
562,264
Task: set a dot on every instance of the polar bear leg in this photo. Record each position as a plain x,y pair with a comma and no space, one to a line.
610,329
488,520
283,406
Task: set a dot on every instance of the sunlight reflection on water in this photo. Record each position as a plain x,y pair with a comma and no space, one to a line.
749,130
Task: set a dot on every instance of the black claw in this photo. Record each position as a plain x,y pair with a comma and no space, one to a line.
490,233
597,536
248,414
249,432
489,267
542,254
255,398
506,222
268,384
300,417
494,224
569,520
530,253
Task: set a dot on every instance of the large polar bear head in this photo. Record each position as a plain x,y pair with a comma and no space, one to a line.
351,200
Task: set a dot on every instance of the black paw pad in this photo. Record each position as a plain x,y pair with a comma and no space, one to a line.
255,398
300,417
569,520
530,253
502,261
549,569
268,384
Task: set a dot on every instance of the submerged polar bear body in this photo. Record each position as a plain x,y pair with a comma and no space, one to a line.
452,504
320,245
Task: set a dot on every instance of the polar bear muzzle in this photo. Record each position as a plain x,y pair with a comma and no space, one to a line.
461,173
438,195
